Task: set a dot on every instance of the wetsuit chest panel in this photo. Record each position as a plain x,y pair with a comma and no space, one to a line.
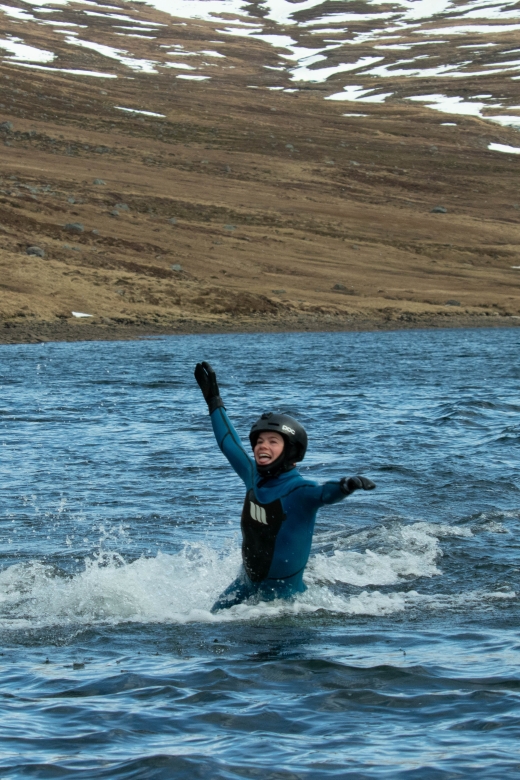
260,525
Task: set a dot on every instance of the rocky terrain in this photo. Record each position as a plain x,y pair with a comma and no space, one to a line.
199,180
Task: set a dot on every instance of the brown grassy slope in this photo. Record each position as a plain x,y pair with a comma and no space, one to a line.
286,214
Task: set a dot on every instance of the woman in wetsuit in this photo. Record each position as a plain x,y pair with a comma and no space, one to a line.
280,506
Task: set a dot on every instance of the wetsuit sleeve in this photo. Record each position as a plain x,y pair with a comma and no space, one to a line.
328,493
331,493
230,444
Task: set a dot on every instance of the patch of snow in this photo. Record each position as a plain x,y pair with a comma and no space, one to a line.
239,32
70,71
342,18
506,121
304,73
138,111
358,93
123,18
134,29
180,65
508,150
480,29
22,52
54,23
142,66
17,13
392,69
452,105
192,78
137,35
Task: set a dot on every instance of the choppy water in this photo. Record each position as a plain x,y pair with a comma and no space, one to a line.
120,526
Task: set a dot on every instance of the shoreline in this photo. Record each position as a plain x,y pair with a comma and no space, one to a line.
67,332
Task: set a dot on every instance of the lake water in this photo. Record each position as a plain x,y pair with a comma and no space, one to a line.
120,527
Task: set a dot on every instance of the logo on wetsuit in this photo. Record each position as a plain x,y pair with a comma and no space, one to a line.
257,513
260,525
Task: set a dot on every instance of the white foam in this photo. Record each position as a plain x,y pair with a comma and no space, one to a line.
167,588
415,550
180,588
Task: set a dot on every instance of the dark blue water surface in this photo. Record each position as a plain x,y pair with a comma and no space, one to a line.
120,527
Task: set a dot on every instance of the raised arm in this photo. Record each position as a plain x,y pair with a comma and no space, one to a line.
225,434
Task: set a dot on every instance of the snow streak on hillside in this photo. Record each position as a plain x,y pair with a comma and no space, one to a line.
456,57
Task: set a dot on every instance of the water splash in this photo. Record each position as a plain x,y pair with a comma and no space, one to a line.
182,587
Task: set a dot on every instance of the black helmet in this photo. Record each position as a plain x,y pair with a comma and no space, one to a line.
294,436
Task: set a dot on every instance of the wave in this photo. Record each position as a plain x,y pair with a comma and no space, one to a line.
181,587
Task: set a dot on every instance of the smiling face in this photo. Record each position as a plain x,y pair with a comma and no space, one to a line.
269,446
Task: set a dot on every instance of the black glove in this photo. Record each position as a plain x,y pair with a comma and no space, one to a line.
349,484
207,381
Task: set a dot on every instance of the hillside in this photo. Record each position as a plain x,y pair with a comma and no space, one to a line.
222,191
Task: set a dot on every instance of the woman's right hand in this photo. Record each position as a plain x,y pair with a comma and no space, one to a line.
207,381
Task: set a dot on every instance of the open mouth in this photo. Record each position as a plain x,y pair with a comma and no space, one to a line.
263,457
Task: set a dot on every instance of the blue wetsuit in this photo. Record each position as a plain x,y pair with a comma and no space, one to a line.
277,523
